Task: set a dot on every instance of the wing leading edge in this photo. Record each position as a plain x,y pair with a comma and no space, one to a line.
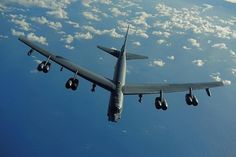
86,74
137,89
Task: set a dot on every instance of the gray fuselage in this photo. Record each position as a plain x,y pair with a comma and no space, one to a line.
116,98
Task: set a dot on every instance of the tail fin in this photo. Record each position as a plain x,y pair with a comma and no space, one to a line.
124,45
126,35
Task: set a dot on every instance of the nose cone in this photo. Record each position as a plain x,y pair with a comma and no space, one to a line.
114,117
114,113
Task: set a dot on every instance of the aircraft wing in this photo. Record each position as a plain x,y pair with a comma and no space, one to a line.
86,74
137,89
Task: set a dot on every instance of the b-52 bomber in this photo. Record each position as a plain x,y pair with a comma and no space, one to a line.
117,86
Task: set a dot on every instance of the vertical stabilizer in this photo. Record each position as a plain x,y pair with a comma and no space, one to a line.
124,45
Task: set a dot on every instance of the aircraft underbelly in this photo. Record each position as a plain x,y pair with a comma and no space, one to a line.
115,107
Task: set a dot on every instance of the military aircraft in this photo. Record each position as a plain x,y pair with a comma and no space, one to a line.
117,86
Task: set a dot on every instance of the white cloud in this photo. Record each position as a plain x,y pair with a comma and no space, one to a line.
141,19
68,39
86,36
157,62
22,23
217,77
2,7
141,33
105,1
59,13
233,71
161,41
194,42
17,33
44,21
171,57
162,34
86,3
127,4
61,32
116,12
136,43
55,7
220,46
198,62
122,25
98,11
112,32
233,54
69,47
186,48
226,82
74,24
191,19
231,1
39,39
207,7
223,32
91,16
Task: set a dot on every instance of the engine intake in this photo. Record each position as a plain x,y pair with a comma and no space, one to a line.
44,66
72,83
161,104
191,99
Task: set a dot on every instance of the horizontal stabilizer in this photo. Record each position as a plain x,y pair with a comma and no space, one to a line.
116,53
131,56
111,51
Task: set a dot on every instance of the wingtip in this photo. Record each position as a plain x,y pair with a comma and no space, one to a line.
99,47
21,38
225,83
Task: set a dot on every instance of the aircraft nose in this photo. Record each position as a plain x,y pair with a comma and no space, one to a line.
114,117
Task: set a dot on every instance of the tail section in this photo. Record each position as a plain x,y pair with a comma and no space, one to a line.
117,53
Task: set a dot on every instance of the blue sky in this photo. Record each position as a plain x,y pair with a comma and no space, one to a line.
186,41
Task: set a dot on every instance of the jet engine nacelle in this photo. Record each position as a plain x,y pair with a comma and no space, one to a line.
191,99
188,99
72,83
44,66
161,104
158,103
